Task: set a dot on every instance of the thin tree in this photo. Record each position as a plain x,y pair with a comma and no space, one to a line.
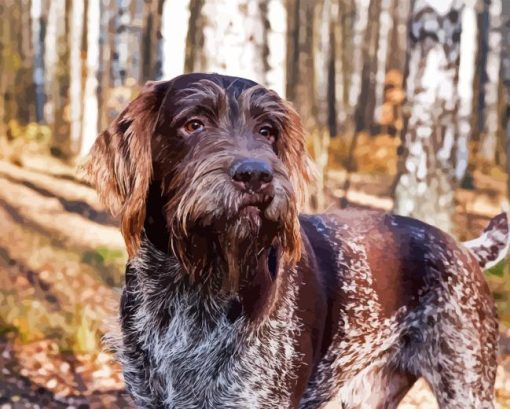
38,29
232,38
385,24
90,94
75,72
505,78
309,56
57,79
364,112
489,138
466,83
152,43
342,33
175,22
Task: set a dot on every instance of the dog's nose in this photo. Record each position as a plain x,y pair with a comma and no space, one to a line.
253,174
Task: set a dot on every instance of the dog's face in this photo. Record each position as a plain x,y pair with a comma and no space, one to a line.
228,157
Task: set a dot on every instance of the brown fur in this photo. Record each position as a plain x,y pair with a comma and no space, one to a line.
120,165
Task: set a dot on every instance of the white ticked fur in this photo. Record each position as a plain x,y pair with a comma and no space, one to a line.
368,366
371,362
229,365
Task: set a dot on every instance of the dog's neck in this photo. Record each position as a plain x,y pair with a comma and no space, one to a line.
257,289
155,224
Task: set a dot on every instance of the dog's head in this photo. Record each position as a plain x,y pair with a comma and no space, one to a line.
227,159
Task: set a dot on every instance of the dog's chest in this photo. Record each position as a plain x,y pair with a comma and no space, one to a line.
199,361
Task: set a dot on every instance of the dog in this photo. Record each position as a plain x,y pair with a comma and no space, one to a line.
233,299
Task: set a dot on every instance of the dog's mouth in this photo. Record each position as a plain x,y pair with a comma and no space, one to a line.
253,206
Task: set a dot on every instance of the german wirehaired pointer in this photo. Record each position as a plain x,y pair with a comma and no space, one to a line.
235,300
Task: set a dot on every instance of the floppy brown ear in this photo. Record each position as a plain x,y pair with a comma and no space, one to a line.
295,156
120,164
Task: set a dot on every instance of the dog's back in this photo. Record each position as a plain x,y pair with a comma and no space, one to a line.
404,300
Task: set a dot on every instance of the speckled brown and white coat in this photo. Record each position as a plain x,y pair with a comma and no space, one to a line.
234,300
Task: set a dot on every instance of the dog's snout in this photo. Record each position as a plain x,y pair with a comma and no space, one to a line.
252,174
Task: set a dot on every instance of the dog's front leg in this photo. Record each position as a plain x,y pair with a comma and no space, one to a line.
135,361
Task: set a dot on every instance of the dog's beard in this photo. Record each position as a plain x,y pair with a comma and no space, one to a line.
214,233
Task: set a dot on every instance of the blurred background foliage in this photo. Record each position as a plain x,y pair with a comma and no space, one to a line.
406,104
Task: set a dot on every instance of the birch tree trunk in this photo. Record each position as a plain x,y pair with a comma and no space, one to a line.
275,31
174,29
57,80
121,81
90,98
238,37
152,40
323,57
195,56
397,52
342,32
9,63
466,84
75,74
233,39
4,67
360,26
489,137
425,188
363,115
51,58
38,28
385,24
22,88
127,25
309,61
389,116
505,78
300,59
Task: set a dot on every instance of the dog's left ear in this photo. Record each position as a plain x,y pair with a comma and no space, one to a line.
294,155
119,165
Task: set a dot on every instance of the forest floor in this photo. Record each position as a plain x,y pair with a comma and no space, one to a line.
61,264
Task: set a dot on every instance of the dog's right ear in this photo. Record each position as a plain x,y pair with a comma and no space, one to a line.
119,165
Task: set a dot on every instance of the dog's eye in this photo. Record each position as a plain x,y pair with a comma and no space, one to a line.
193,125
268,133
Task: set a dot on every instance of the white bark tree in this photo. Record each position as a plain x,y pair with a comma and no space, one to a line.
51,59
104,63
322,60
38,66
240,37
425,188
360,26
467,68
76,78
505,78
234,43
90,98
489,137
174,29
151,43
127,24
342,20
275,32
364,112
56,78
385,24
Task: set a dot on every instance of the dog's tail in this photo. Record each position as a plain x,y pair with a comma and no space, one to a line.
492,246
